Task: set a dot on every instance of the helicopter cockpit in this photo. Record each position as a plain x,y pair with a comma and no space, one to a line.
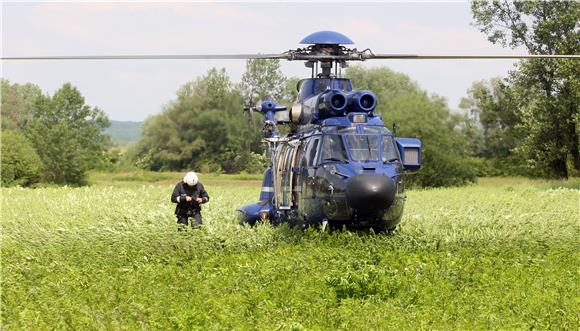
312,86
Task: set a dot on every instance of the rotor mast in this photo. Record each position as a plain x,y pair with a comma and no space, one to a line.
325,64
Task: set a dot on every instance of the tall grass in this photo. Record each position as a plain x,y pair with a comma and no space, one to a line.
491,255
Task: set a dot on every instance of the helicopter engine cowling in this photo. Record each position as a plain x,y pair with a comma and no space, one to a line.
363,101
332,103
302,113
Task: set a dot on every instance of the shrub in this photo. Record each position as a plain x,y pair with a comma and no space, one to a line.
20,162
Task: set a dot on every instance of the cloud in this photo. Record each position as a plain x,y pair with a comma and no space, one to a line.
451,37
356,27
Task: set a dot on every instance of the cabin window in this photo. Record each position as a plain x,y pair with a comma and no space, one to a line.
312,151
287,176
281,155
333,149
299,155
303,154
363,148
296,187
288,158
389,149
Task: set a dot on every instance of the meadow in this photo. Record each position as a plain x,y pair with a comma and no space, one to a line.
500,254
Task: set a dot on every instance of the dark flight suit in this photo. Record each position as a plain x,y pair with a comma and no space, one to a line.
184,210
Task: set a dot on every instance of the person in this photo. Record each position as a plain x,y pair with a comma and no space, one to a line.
189,194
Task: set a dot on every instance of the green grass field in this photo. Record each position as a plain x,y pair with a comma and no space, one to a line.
503,254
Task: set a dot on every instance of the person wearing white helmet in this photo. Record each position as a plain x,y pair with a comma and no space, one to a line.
189,194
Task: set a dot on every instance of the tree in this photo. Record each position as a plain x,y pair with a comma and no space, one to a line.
213,89
546,91
419,115
290,92
490,105
263,77
67,135
20,163
202,129
18,104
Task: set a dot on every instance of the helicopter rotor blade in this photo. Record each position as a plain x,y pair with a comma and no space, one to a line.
151,57
465,57
355,56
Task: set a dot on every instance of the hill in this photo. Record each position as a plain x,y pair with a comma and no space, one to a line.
124,132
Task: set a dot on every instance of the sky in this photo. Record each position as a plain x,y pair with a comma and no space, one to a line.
133,90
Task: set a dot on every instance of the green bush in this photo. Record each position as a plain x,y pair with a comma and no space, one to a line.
249,162
20,162
515,165
442,169
483,167
512,165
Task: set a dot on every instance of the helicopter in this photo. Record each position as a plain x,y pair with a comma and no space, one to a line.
338,165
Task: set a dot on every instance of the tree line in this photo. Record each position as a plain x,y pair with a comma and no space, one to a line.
49,138
529,120
524,124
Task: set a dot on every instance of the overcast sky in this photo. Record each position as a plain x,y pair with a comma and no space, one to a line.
133,90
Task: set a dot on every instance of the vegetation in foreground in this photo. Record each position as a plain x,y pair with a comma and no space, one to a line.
500,254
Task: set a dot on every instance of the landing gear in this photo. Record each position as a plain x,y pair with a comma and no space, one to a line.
324,225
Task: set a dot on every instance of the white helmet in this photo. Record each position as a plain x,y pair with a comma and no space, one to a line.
190,178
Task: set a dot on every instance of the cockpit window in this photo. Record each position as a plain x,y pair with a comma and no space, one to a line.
389,150
333,148
363,148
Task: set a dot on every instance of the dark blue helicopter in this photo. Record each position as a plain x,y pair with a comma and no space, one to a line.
339,165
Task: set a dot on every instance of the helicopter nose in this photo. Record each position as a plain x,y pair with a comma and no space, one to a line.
370,192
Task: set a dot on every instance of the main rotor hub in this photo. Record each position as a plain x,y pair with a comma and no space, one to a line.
326,48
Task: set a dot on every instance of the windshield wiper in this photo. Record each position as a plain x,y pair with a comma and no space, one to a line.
369,146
